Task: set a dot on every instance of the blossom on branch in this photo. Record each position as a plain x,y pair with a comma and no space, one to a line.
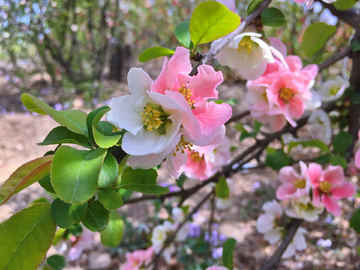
138,259
320,124
303,208
333,89
298,243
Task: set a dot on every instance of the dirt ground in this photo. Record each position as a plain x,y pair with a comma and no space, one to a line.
21,131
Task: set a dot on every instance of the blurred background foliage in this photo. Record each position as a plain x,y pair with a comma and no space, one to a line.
76,45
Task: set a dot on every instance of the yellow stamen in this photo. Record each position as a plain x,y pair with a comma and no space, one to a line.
186,94
333,90
306,207
300,183
285,94
153,118
325,186
196,157
245,44
182,145
264,96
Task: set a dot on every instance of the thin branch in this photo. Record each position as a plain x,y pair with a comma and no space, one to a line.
336,57
275,258
187,218
237,117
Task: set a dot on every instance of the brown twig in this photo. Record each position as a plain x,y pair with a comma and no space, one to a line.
237,117
336,57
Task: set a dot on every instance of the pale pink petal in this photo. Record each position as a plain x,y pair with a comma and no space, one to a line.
334,175
284,190
314,171
230,4
316,197
294,62
331,205
287,174
278,45
357,158
175,164
211,116
264,223
345,190
161,84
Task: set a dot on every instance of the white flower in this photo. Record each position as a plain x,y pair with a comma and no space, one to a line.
333,89
177,214
167,254
303,208
274,235
222,203
248,54
183,232
320,124
160,234
267,221
298,243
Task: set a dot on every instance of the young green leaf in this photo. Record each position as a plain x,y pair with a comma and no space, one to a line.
142,181
61,135
65,214
272,17
110,199
154,52
75,173
355,221
341,142
96,218
228,253
182,33
312,143
45,182
56,262
211,20
113,233
315,37
276,159
252,6
222,188
24,176
74,120
344,4
109,171
26,237
338,160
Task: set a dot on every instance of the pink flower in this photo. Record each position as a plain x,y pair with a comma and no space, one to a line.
329,186
137,259
216,268
293,185
230,4
203,162
281,92
164,117
309,3
80,243
357,154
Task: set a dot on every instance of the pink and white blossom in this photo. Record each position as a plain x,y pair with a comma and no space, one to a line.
298,243
78,244
329,186
293,185
138,259
247,54
320,125
204,162
303,208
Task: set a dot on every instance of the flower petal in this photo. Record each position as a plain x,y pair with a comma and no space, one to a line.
346,190
331,205
139,82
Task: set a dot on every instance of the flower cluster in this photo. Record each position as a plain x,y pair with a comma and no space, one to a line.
138,259
165,117
281,93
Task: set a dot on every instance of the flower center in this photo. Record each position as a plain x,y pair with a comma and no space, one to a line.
264,96
195,156
154,118
186,94
245,44
325,186
285,94
333,91
182,145
306,207
300,183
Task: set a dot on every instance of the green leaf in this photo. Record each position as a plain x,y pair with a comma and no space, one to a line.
355,221
272,17
355,46
315,37
341,142
142,181
45,182
24,176
65,214
323,159
358,250
222,188
74,120
182,33
109,171
210,21
337,160
181,180
75,173
253,5
154,52
110,199
26,237
96,218
257,126
344,4
105,141
312,143
228,253
76,230
56,262
113,233
276,159
60,135
59,235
